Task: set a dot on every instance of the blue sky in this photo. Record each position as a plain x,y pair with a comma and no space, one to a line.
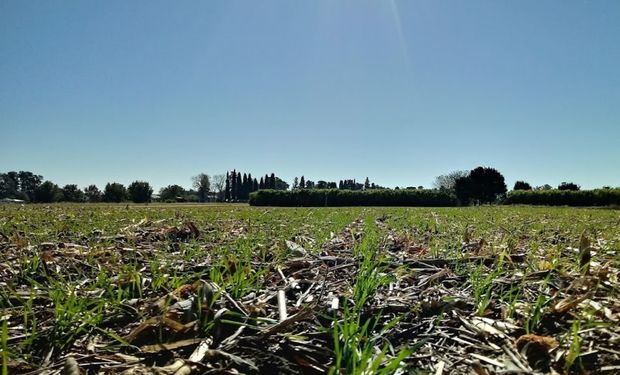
399,91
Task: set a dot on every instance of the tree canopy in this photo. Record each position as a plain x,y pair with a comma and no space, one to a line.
140,192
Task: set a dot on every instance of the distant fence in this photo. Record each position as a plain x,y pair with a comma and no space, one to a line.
336,197
597,197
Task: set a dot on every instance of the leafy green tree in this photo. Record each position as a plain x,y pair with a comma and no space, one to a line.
483,184
280,184
172,193
202,184
295,183
321,184
367,184
569,186
140,191
114,192
522,185
92,193
71,193
8,185
47,192
28,183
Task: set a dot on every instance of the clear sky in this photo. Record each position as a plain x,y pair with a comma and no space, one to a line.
399,91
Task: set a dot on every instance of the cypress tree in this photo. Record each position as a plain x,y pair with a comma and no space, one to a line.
227,189
261,184
244,187
255,185
302,182
234,186
272,181
239,186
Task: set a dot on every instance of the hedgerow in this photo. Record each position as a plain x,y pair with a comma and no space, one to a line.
336,197
554,197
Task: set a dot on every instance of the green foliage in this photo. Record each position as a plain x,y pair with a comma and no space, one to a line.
71,193
202,184
522,185
140,192
569,186
92,194
483,185
172,193
335,198
114,192
19,185
597,197
47,192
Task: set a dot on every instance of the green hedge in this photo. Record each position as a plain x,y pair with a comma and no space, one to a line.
598,197
335,197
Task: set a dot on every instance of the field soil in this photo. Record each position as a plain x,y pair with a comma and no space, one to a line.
216,289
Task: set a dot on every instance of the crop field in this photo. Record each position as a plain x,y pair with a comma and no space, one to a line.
173,289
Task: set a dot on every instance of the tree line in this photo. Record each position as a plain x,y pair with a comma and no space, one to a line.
480,185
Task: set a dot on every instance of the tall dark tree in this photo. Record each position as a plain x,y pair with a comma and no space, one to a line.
71,193
28,183
261,184
140,191
202,184
483,185
255,185
9,185
522,185
92,194
227,195
250,187
302,182
367,184
114,192
245,191
341,185
239,187
272,181
233,185
266,182
47,192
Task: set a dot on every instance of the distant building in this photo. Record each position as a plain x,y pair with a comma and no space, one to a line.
10,200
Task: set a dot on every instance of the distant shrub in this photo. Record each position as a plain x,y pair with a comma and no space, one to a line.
556,197
568,186
336,197
522,185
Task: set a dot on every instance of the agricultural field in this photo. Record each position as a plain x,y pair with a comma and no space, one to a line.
144,289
